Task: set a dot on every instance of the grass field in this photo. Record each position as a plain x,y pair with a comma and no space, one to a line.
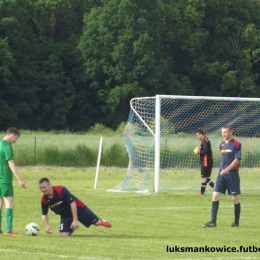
143,224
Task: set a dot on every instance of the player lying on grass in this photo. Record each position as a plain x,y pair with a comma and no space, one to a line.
70,209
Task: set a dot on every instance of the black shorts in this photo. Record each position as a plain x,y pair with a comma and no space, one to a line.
206,171
230,182
85,216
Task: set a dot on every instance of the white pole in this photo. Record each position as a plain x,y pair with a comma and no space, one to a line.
98,161
157,145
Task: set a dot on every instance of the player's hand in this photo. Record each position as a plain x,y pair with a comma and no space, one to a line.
22,183
74,225
224,172
196,150
48,230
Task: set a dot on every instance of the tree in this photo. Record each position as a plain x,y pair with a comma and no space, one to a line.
6,64
56,95
225,67
17,87
122,45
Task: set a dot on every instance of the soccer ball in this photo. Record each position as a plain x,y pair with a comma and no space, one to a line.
32,229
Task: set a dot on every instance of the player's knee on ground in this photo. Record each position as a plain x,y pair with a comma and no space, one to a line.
65,234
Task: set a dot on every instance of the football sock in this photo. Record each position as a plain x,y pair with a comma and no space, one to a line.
214,211
210,183
237,209
0,220
203,187
8,220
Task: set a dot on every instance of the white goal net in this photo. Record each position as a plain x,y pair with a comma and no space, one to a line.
160,138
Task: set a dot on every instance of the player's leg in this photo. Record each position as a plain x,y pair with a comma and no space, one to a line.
104,223
215,206
8,194
1,207
203,181
203,186
237,210
220,188
65,226
205,174
209,181
87,217
234,191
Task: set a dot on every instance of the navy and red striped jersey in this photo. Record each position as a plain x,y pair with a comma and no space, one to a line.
60,202
229,151
206,152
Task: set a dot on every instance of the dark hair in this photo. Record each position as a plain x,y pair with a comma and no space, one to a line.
12,130
44,180
200,131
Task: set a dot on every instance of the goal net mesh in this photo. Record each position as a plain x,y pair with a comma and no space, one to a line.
180,118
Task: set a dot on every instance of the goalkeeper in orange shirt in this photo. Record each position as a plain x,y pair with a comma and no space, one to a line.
206,161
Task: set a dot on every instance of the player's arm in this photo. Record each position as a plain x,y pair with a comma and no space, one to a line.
13,168
45,219
70,199
74,211
204,147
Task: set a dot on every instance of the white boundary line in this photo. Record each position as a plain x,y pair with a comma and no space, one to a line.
54,255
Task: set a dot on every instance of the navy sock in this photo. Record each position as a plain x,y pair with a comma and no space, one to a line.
214,211
237,208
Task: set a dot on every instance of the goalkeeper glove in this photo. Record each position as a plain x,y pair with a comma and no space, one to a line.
196,150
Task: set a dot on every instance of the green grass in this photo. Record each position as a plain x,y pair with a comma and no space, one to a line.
143,224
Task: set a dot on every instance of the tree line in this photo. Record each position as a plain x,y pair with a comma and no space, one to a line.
69,64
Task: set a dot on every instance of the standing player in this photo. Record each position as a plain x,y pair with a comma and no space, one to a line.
70,209
7,170
228,177
206,161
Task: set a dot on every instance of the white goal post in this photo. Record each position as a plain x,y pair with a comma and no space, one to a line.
160,138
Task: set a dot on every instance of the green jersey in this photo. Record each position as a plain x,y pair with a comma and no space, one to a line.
6,153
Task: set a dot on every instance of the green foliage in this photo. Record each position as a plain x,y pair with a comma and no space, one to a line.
124,55
70,149
18,86
79,157
115,156
99,129
76,63
57,94
6,64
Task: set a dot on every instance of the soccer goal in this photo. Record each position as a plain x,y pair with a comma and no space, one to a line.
160,138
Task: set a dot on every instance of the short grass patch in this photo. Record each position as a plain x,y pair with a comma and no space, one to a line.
143,224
